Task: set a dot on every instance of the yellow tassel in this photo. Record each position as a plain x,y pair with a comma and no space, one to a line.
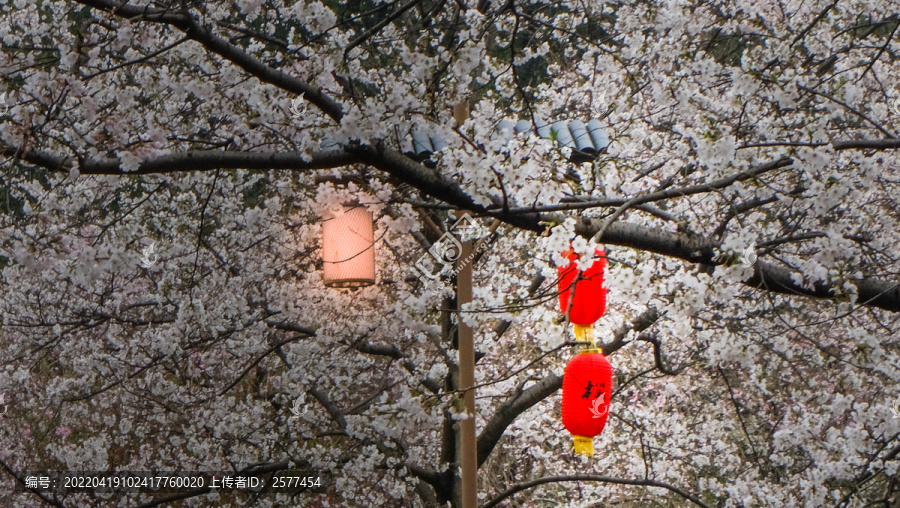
584,445
585,334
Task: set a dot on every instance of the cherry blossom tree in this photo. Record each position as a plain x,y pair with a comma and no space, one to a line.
166,167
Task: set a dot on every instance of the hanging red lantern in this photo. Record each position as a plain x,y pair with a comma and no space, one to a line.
586,390
589,301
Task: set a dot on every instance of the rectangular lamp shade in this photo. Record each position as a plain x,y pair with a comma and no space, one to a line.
348,249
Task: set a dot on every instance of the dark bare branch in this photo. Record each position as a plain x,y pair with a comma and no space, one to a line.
393,352
591,478
658,354
381,24
202,160
220,46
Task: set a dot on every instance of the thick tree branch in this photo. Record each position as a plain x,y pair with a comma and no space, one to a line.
336,414
867,144
512,408
639,324
288,326
591,478
683,245
873,292
179,162
850,144
425,179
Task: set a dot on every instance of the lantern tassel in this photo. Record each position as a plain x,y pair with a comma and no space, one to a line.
585,333
584,445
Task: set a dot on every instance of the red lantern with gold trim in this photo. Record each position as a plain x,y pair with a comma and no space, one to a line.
589,300
586,390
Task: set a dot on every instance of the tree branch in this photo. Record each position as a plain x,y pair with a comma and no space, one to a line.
291,327
690,190
220,46
377,28
867,144
44,497
848,108
512,408
195,160
394,352
663,194
329,406
590,478
881,50
684,245
658,354
873,292
815,20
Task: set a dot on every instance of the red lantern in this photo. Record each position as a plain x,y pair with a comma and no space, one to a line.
586,390
589,302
